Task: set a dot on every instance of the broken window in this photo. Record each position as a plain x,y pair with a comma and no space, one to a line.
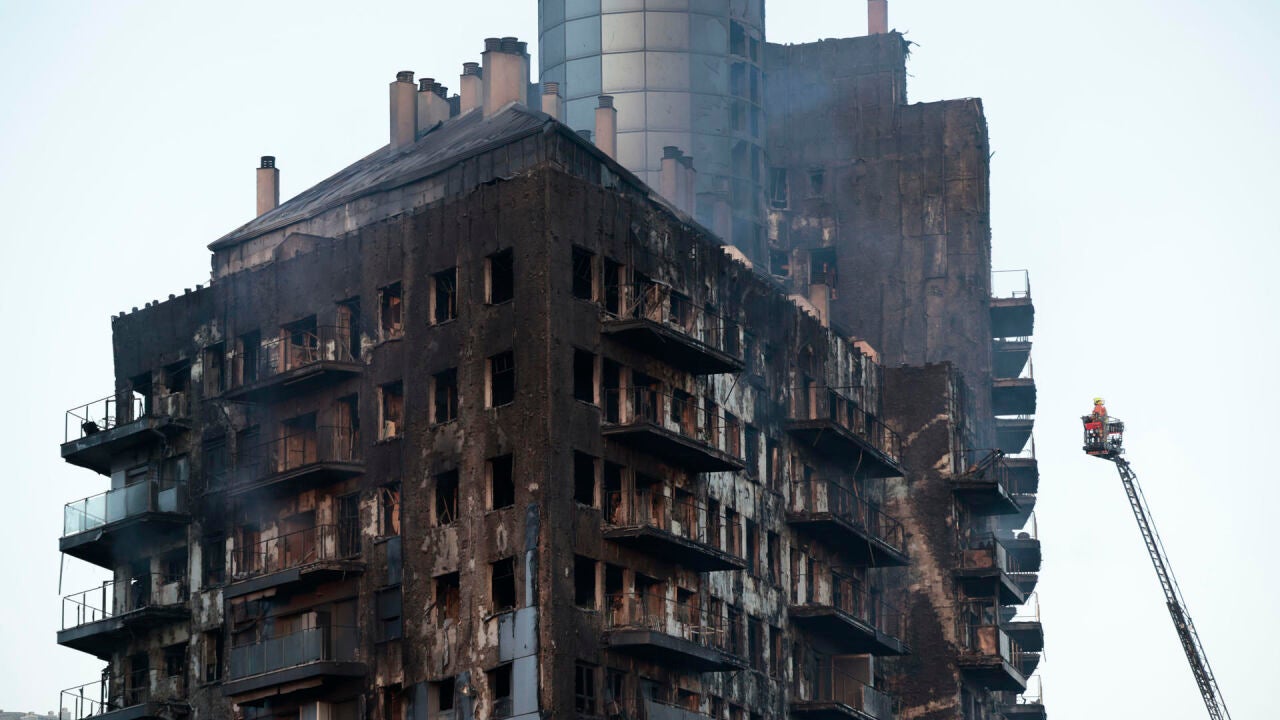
774,550
584,582
502,584
389,610
444,694
444,391
245,363
446,497
173,566
211,646
732,435
753,548
737,38
391,311
612,491
613,272
214,369
689,700
751,443
499,277
755,643
500,687
346,430
775,651
502,379
448,598
298,345
175,660
584,478
734,527
584,376
822,266
389,509
348,511
778,187
348,330
584,688
444,296
392,408
584,265
817,182
713,523
502,482
213,559
616,686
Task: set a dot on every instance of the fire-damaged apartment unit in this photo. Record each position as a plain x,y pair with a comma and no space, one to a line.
484,426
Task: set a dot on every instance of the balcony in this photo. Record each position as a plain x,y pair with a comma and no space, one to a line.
302,659
95,432
985,487
1012,433
1013,396
673,633
675,530
655,320
300,558
136,696
1028,705
113,525
100,620
835,695
674,429
299,360
843,618
1012,313
833,513
989,657
1009,356
841,429
986,570
306,457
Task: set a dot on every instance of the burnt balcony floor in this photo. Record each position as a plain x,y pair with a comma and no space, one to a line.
1012,433
1012,317
672,345
978,582
94,451
833,439
673,548
1013,396
862,546
103,637
673,447
829,710
836,631
659,647
1024,711
107,544
296,578
984,494
323,673
295,380
992,672
295,479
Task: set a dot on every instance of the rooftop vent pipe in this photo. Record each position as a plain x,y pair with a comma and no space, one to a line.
268,185
877,17
690,196
506,73
470,87
607,126
404,110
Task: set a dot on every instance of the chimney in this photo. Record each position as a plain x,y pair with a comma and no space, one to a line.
877,17
607,127
506,73
433,104
404,111
551,99
470,87
672,171
268,185
690,194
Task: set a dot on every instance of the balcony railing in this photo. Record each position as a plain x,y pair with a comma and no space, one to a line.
111,693
986,640
835,497
118,410
296,549
1010,284
295,452
831,685
684,518
114,599
811,405
709,437
849,595
123,503
692,623
301,647
293,351
712,342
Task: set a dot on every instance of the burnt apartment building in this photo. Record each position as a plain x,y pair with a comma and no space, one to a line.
501,422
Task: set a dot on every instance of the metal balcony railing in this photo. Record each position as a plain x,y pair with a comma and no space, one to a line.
833,685
1010,284
985,550
298,449
302,547
330,643
836,497
146,496
660,304
119,409
812,404
641,611
108,694
683,517
849,595
682,415
113,599
292,350
983,465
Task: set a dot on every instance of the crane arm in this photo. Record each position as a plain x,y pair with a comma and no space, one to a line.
1199,661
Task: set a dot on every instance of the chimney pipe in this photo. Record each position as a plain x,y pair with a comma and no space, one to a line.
268,185
607,126
669,184
433,106
404,111
470,87
506,73
690,195
877,17
551,99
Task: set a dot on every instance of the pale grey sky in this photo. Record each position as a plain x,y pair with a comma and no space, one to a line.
1134,174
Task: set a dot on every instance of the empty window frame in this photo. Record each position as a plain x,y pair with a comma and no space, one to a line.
584,376
389,509
584,275
444,296
502,379
584,582
584,688
175,660
213,369
448,598
778,188
444,394
500,689
499,277
389,611
391,408
391,311
211,656
446,505
502,482
213,558
502,584
584,479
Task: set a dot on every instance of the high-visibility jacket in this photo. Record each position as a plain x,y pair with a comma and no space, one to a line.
1100,411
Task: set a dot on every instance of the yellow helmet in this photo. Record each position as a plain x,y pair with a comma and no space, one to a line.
1098,401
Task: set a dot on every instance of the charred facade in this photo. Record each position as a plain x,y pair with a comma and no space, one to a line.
484,426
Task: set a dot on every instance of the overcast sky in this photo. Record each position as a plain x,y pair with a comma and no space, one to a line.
1134,174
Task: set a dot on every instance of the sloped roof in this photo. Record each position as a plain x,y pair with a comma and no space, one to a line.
385,169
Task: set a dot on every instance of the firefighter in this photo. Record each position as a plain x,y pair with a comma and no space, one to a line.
1099,416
